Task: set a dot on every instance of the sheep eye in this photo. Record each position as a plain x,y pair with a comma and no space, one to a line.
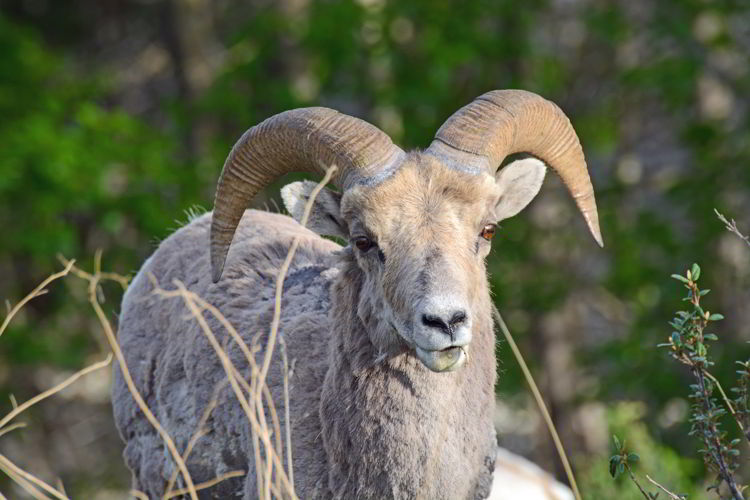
363,243
488,231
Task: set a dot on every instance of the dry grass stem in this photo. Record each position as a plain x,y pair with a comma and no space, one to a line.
732,227
257,390
12,427
138,494
7,465
241,344
230,370
200,431
36,292
61,487
50,392
26,485
261,415
276,432
539,401
271,344
724,396
196,300
207,484
287,417
282,274
94,281
673,496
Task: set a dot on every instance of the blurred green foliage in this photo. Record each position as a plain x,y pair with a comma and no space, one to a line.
74,176
658,461
117,117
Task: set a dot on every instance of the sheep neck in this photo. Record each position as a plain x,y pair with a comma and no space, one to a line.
391,427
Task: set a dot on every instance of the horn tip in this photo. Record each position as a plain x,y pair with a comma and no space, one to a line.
597,234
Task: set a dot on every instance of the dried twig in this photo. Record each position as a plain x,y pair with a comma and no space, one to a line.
50,392
732,227
276,432
200,431
26,485
243,347
6,464
12,427
287,417
258,388
94,281
36,292
539,401
282,274
271,344
727,402
673,496
233,332
61,487
191,302
637,483
207,484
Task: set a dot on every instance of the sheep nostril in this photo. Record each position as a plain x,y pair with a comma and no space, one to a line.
457,318
434,322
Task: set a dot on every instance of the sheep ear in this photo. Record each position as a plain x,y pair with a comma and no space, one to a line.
519,183
325,215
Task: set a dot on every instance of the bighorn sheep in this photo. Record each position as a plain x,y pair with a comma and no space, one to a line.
393,388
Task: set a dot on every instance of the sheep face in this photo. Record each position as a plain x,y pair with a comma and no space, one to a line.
420,239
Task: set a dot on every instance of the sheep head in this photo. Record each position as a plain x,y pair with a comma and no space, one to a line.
420,224
420,238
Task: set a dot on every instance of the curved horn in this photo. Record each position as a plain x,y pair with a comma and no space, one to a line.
300,140
503,122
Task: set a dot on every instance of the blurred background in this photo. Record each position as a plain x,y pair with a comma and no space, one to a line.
117,116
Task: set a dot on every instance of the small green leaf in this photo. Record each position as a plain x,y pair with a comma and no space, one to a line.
613,462
618,447
715,317
680,278
633,458
696,272
700,349
710,336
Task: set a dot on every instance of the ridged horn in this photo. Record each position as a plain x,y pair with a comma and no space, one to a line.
299,140
502,122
